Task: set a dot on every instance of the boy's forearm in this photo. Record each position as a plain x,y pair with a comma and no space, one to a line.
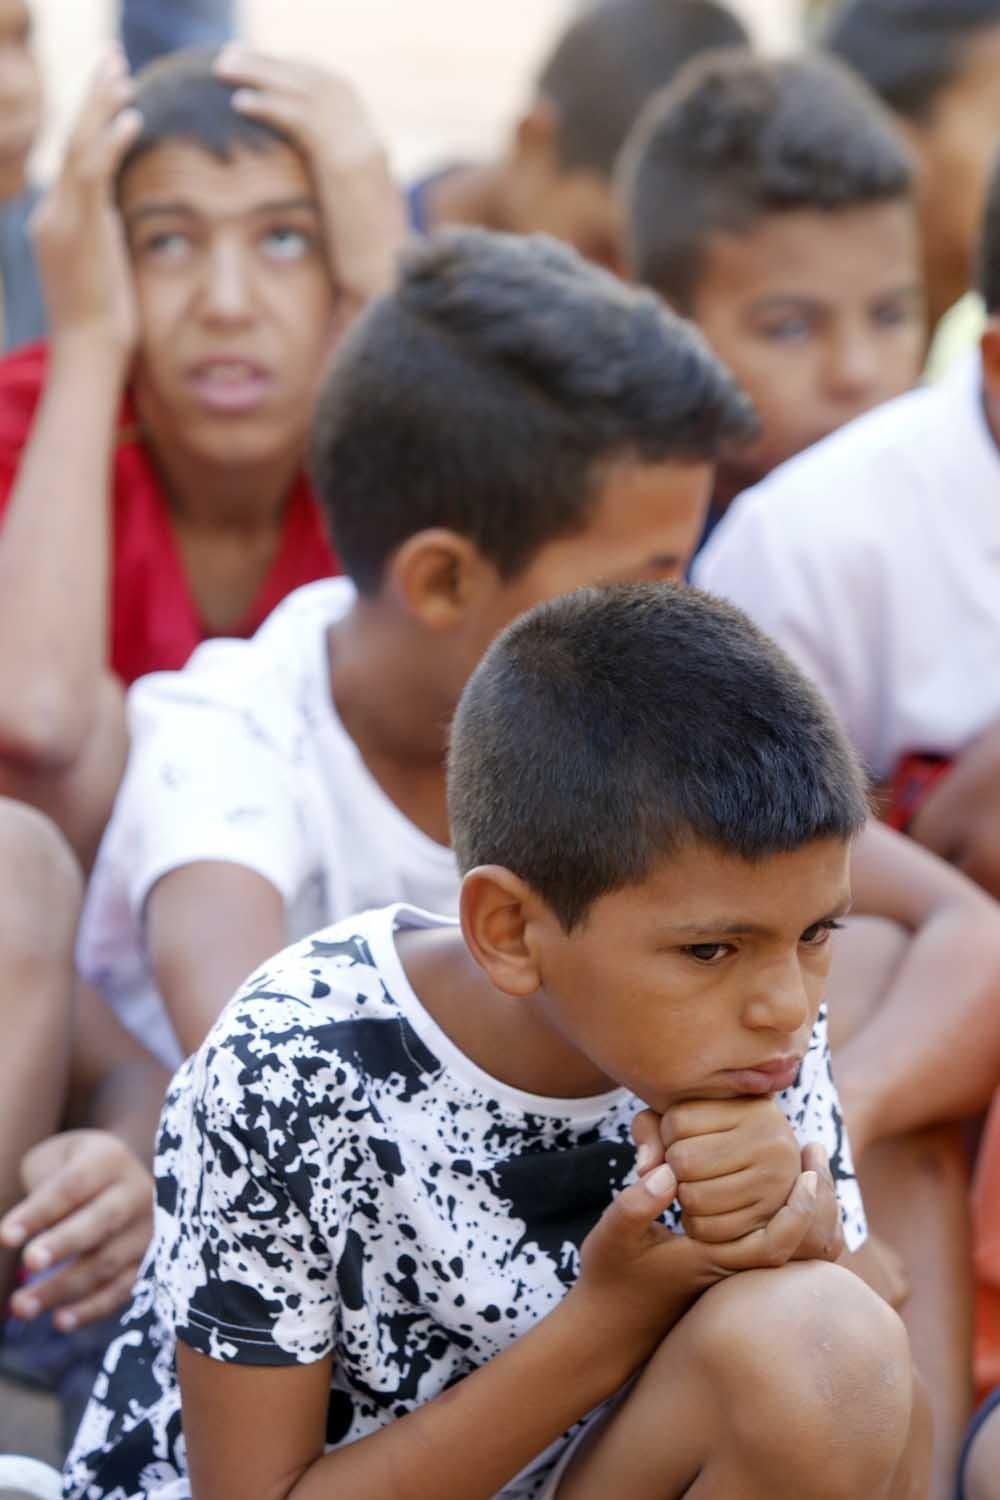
54,561
472,1440
931,1051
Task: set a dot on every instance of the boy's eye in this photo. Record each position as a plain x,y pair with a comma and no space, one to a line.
819,933
707,953
285,243
892,314
790,330
168,248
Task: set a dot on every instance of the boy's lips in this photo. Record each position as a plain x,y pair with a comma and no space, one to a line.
768,1077
229,385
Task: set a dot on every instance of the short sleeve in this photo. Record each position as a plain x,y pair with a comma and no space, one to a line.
206,781
246,1217
813,1108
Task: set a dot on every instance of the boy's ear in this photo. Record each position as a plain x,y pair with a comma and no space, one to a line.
435,575
495,908
536,132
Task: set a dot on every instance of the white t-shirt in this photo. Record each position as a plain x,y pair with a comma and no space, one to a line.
874,559
241,757
335,1177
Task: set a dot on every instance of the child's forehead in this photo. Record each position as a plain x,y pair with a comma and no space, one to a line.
701,885
812,251
184,173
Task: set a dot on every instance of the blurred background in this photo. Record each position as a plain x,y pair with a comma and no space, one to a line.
443,77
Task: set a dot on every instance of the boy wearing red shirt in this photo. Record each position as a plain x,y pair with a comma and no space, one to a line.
212,228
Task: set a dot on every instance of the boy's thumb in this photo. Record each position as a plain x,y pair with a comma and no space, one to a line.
642,1203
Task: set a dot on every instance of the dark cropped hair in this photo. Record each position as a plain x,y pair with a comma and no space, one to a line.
613,57
909,50
490,389
735,137
604,731
180,99
989,243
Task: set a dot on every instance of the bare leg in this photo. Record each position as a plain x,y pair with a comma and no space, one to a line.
41,901
778,1385
916,1193
982,1470
79,798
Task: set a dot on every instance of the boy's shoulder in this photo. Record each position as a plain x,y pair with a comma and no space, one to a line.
274,683
335,1003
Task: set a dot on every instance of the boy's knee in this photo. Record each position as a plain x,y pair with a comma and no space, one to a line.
814,1368
40,879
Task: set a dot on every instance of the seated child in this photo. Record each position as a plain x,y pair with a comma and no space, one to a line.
508,423
398,1215
555,174
773,203
212,226
936,64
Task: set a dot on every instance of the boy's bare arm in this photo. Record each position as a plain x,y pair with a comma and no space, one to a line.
362,209
931,1049
55,542
208,926
257,1434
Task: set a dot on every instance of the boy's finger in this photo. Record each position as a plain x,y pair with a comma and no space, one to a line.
47,1205
648,1145
639,1206
88,1227
111,88
722,1229
704,1158
80,1278
103,155
730,1193
777,1242
700,1117
100,1304
238,64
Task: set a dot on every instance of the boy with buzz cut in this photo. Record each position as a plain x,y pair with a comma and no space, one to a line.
773,203
399,1217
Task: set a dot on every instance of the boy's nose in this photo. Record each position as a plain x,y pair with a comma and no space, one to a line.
852,368
781,1003
227,292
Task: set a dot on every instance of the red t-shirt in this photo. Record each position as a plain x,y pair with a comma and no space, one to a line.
154,622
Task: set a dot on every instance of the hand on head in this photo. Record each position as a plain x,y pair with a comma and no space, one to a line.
323,115
78,235
88,1213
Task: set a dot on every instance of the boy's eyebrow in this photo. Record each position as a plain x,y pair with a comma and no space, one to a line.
726,927
178,208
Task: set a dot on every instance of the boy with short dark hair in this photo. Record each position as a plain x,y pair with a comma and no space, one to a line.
213,226
773,203
556,173
398,1216
936,63
506,424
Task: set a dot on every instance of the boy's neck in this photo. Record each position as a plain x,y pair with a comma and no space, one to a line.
215,498
394,710
506,1038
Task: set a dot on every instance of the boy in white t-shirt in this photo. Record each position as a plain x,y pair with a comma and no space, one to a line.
507,424
401,1246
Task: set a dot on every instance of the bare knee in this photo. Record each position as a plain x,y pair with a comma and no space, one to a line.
815,1374
41,883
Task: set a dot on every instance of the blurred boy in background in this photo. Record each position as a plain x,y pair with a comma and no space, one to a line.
773,203
555,174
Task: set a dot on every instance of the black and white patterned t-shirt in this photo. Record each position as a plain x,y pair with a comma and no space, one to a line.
335,1177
